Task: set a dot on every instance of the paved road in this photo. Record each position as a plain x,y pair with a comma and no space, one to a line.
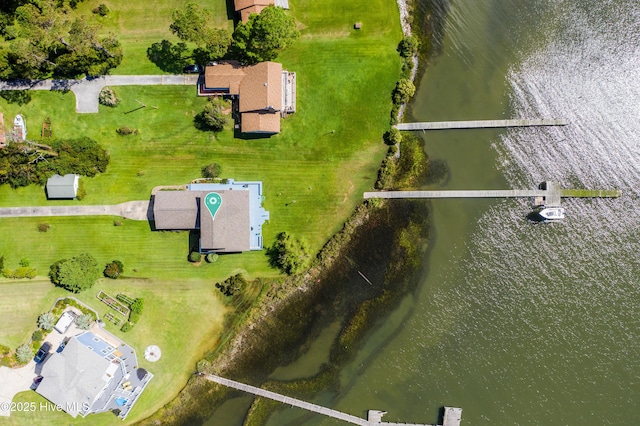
135,210
87,90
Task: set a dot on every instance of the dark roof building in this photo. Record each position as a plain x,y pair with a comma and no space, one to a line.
237,225
62,186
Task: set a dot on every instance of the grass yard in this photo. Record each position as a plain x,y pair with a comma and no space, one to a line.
177,315
140,23
314,173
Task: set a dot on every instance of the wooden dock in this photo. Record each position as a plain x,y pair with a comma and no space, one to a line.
374,417
479,124
551,196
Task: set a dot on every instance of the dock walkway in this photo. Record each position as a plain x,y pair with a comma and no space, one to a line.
479,124
288,400
374,417
551,196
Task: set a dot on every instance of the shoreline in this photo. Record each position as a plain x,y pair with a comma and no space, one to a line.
287,290
405,23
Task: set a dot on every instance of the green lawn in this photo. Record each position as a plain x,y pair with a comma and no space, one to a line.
177,315
314,173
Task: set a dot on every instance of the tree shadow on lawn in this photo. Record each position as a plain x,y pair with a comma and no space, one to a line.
20,97
168,56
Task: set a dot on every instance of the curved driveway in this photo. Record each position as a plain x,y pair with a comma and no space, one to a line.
88,89
135,210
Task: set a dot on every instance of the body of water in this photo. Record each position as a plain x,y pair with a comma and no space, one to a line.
516,322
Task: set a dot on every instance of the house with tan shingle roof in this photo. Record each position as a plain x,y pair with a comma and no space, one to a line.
246,8
263,93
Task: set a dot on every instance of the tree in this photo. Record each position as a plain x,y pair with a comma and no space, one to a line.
46,39
24,353
404,91
211,171
289,254
76,274
46,321
232,285
264,35
84,321
193,23
168,56
408,46
212,118
113,269
392,136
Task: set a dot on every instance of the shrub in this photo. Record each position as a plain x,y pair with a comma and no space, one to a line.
108,97
392,136
24,353
127,326
125,130
137,305
117,222
82,191
232,285
404,91
212,257
43,227
289,254
212,117
202,366
113,269
46,321
194,256
408,46
101,10
37,336
211,171
24,262
84,321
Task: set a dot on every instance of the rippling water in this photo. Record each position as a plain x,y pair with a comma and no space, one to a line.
554,309
516,322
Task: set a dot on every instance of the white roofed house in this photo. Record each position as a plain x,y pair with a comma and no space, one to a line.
94,373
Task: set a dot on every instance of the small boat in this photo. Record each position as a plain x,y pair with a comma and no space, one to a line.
19,128
550,214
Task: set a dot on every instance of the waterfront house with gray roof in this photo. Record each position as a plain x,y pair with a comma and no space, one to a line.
237,225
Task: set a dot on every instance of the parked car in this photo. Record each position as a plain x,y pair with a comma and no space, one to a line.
61,347
193,69
42,352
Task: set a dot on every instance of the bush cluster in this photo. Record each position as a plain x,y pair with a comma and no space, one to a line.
232,285
101,10
113,269
108,97
134,315
126,130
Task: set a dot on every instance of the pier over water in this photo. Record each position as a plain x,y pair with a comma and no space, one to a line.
479,124
452,416
551,195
